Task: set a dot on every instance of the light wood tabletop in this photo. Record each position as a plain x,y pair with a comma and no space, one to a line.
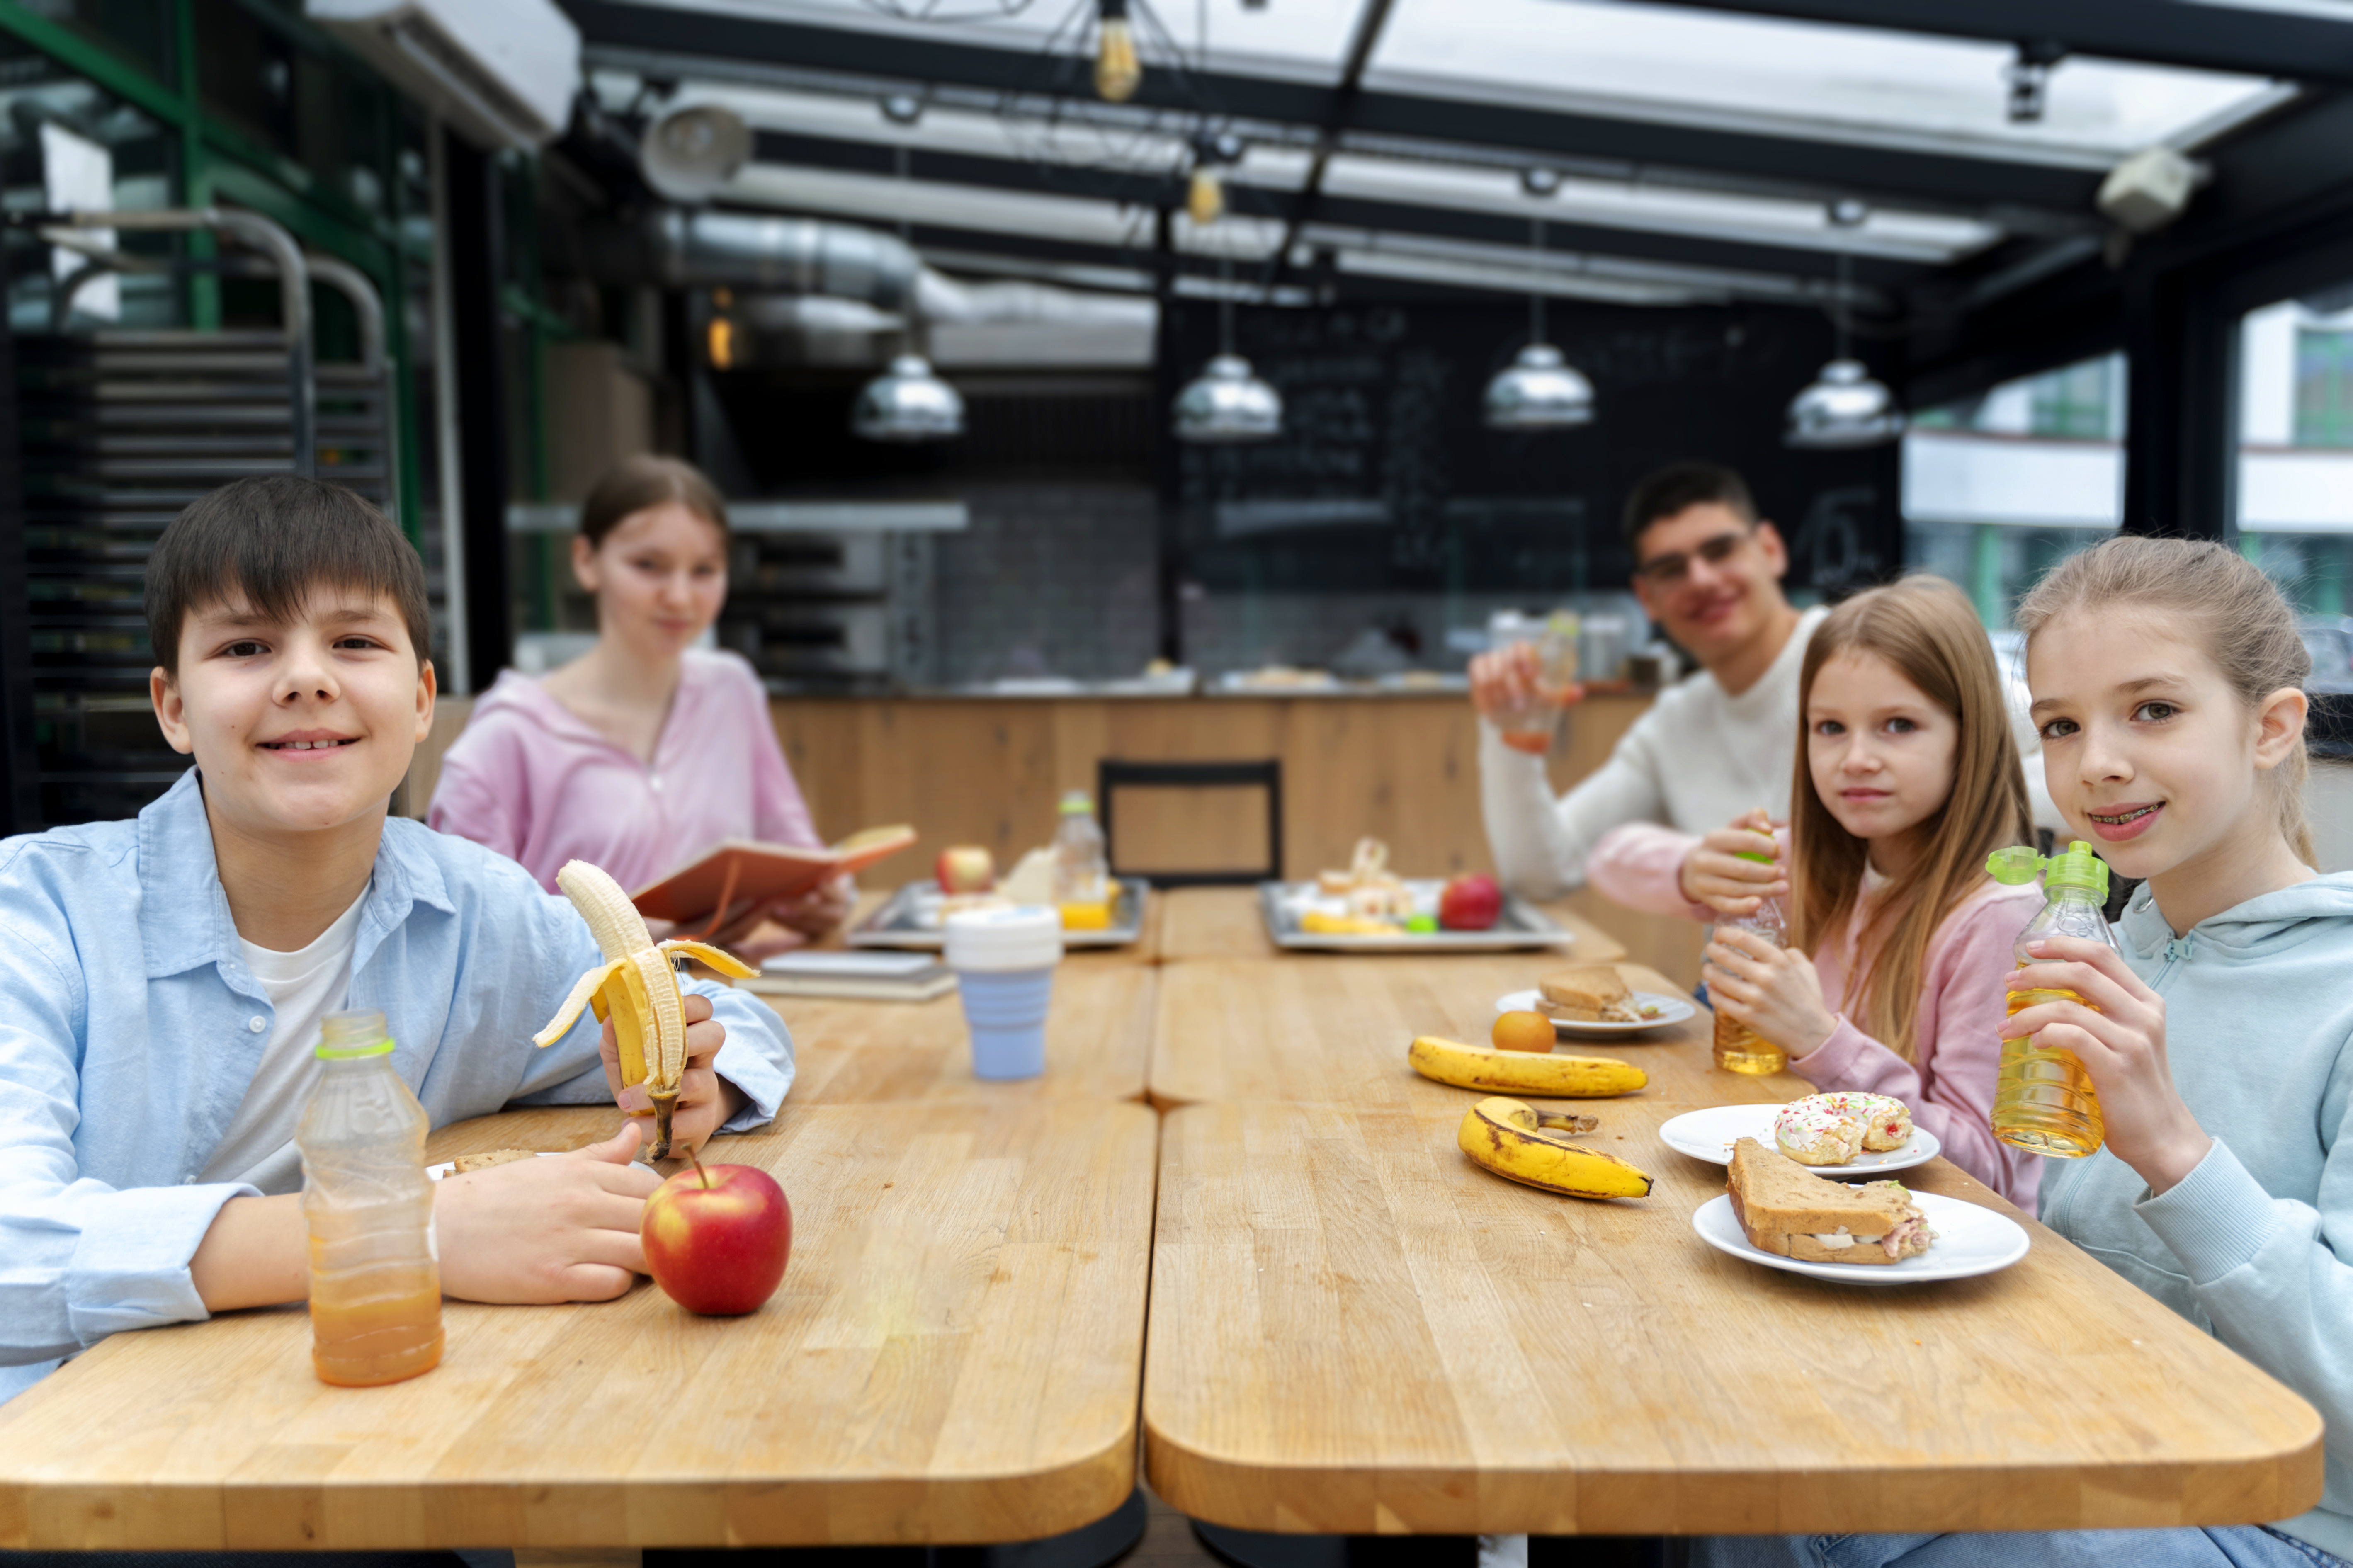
1098,1033
953,1357
1337,1029
1226,922
1355,1330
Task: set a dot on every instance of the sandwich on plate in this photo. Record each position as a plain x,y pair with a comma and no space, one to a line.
1788,1210
1590,993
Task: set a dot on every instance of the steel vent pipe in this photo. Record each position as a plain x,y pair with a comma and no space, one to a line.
679,249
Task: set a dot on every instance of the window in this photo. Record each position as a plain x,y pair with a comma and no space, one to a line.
2295,447
1999,487
2324,387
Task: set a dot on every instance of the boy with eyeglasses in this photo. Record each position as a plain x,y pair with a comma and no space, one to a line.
1711,749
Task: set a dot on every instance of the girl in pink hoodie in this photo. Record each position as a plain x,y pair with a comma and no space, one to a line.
1907,778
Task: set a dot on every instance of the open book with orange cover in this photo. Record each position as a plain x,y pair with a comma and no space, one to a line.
742,871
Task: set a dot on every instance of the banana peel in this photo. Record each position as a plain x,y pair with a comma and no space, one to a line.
1522,1143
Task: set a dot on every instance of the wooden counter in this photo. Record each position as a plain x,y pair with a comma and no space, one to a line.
953,1357
1355,1330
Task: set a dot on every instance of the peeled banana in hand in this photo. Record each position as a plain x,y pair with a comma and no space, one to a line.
1546,1075
637,988
1524,1144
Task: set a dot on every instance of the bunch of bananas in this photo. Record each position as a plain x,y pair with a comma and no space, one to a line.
1524,1144
636,988
1548,1075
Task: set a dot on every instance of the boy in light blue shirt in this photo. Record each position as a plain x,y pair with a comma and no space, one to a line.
161,979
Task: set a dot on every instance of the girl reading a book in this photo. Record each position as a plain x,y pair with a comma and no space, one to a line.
646,750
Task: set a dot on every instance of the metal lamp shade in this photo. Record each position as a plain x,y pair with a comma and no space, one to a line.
1843,409
908,403
1227,402
1540,391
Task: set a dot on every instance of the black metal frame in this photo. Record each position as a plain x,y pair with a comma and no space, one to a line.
20,783
477,269
1112,774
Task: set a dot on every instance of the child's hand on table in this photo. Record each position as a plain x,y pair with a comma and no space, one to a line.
1773,990
705,1100
2122,1046
546,1230
1714,874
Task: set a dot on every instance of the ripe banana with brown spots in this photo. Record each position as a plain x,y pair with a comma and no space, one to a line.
1525,1144
1548,1076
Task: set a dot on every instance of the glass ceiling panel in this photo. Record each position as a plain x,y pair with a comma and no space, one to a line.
1303,40
1706,214
1792,77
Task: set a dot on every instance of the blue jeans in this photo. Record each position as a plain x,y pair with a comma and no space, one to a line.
2230,1546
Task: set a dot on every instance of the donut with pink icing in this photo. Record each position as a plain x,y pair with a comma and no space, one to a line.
1813,1133
1886,1123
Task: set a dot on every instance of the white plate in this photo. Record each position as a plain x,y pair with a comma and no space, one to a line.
1710,1134
434,1172
1671,1010
1969,1241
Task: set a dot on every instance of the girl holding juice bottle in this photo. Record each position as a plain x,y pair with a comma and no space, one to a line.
1907,778
2165,677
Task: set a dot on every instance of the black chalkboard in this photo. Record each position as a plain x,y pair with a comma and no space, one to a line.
1386,481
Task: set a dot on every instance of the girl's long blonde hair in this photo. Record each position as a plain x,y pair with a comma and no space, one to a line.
1927,630
2221,600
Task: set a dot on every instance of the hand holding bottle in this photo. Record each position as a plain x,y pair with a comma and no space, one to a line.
2121,1045
1773,990
1722,871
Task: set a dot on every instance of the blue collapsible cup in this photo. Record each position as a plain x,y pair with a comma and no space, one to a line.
1004,961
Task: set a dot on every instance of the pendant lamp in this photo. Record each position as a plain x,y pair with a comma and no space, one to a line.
1228,403
1845,408
1540,390
908,403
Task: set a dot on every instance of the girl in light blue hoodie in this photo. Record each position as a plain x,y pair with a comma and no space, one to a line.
2167,680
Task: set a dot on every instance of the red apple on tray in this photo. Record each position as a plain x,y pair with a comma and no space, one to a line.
965,869
716,1237
1469,903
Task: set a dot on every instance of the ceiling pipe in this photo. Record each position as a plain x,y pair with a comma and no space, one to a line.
675,249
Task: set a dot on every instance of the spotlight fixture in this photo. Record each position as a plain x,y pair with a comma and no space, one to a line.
1540,180
1118,72
902,107
1848,213
1844,409
2029,75
689,153
1539,390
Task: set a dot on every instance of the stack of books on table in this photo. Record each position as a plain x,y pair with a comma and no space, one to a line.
867,977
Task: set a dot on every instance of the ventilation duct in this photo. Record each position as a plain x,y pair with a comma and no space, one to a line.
674,250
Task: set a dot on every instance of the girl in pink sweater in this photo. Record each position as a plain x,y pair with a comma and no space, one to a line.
1907,778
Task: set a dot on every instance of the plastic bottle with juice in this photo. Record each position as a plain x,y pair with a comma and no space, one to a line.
1739,1047
2043,1097
1082,874
376,1282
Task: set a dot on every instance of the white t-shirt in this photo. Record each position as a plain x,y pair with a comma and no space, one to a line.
303,988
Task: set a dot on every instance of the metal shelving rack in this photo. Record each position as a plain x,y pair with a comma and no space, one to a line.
118,431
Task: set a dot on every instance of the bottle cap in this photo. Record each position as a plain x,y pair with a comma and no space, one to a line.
1076,800
344,1037
1762,856
2076,867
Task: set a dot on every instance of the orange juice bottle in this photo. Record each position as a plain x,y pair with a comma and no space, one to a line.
1739,1047
2043,1097
375,1286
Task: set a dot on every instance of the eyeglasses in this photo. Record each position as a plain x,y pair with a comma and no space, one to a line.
1663,571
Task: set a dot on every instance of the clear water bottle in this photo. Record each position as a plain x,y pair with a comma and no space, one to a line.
375,1284
2042,1098
1080,873
1739,1047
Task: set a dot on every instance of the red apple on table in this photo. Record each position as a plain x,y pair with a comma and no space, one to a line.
965,869
1469,903
716,1237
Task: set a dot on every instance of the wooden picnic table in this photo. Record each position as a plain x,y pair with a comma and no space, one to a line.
953,1357
1225,923
1355,1330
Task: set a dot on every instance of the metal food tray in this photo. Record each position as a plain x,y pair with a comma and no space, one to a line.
899,922
1521,925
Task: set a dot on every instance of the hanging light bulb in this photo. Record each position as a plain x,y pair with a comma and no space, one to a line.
1540,390
1118,72
1205,197
906,403
1844,409
1227,402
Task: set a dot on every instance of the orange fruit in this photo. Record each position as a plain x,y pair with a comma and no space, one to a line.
1523,1032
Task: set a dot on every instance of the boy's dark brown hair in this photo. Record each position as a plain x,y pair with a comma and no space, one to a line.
1668,491
636,483
270,541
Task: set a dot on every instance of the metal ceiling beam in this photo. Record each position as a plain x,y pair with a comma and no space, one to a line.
2294,45
1371,22
1506,231
1887,175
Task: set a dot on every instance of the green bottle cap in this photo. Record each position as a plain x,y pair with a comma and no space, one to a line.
327,1053
2076,867
1076,800
1762,856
